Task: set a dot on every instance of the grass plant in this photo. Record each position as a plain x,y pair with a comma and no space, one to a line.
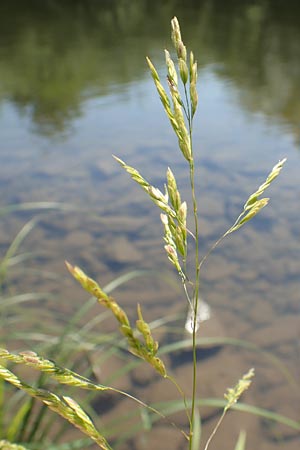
180,105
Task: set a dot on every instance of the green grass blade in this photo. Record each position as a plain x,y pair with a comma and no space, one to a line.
196,430
241,442
16,423
110,287
176,406
35,206
17,259
23,298
203,342
14,246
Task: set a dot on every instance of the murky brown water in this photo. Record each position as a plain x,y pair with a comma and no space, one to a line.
73,90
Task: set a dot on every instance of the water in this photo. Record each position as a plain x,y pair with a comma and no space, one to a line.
74,89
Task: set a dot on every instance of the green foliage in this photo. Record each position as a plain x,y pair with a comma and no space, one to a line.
5,445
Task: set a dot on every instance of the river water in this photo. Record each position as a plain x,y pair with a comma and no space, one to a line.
75,89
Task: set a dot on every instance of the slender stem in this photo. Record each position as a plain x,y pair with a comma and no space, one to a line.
212,248
187,295
215,429
188,109
196,293
184,401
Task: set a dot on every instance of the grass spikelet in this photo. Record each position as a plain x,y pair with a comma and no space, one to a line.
193,70
87,283
183,70
176,116
135,175
73,413
144,328
255,209
136,347
176,38
170,203
172,74
173,192
75,416
184,140
162,95
233,394
70,378
254,204
251,208
60,374
175,239
270,178
160,199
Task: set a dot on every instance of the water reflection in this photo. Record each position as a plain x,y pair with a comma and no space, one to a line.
54,54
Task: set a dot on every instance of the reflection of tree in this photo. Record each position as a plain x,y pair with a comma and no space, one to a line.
256,45
57,53
60,51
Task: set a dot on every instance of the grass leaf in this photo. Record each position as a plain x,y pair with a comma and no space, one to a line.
241,442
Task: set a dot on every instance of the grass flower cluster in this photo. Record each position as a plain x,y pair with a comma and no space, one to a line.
180,104
146,350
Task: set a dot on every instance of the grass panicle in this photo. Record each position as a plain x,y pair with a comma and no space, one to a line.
232,396
254,204
66,408
180,105
180,111
145,350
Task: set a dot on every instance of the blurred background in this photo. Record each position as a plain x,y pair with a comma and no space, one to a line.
75,89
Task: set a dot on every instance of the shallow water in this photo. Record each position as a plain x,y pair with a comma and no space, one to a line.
74,89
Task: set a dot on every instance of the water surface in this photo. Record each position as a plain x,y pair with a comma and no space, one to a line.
74,89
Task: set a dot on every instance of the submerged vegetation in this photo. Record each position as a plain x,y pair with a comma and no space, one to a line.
55,384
